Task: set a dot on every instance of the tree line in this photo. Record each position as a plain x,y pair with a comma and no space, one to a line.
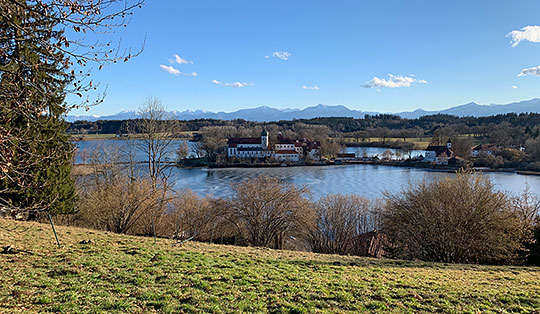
517,131
384,125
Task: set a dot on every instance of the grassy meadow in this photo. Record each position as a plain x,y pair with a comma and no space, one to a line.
108,136
101,272
418,142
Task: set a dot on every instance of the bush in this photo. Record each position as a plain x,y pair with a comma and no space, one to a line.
458,219
339,221
118,204
268,211
202,219
534,166
489,161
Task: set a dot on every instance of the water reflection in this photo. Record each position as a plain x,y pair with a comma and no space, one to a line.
367,180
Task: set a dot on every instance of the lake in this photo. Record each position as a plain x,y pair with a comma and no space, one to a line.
367,180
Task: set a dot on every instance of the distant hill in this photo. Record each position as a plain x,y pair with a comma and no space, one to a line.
262,113
265,113
476,110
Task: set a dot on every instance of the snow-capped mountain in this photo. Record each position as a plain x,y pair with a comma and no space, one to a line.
265,113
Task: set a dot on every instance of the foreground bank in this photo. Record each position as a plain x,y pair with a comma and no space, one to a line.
99,271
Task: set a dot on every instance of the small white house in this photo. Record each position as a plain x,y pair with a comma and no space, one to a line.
483,150
439,154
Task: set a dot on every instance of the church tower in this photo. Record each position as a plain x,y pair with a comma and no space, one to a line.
264,139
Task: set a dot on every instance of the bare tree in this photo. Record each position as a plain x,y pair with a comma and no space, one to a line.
112,198
191,216
91,38
268,210
441,135
157,138
528,207
182,151
339,220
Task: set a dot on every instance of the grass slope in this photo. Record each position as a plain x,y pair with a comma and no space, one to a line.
116,273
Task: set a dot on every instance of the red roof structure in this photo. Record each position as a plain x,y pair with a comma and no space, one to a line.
485,147
305,143
440,150
286,152
233,142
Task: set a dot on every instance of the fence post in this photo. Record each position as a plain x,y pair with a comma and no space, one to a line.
54,231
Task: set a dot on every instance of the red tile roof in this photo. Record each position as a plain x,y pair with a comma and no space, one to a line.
440,150
286,152
243,140
485,147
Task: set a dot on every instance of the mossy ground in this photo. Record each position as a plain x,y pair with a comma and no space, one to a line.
125,274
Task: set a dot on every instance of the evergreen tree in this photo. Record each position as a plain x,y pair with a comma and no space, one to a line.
36,152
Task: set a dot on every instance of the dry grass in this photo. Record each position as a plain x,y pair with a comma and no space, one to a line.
418,142
117,273
110,136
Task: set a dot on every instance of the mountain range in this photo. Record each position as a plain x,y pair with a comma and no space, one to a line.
265,113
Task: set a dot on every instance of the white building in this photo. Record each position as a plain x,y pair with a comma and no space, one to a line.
483,150
285,155
439,154
249,147
285,149
295,150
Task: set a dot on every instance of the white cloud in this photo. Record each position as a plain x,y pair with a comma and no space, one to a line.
314,87
234,84
393,82
527,33
514,87
179,60
172,70
530,71
283,55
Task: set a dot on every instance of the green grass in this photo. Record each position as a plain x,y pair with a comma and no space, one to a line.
124,274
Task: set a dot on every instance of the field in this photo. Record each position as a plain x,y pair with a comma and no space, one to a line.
103,272
108,136
418,142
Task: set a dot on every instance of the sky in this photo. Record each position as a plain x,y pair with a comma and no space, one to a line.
385,56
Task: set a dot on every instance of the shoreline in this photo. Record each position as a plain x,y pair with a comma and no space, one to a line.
85,169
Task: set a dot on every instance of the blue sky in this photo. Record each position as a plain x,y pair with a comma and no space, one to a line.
386,56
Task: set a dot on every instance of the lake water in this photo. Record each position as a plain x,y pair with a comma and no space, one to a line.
366,180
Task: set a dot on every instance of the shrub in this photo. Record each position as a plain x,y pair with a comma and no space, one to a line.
459,219
339,221
534,166
202,219
119,204
268,210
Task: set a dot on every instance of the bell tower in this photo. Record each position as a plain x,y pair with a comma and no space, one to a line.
264,139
